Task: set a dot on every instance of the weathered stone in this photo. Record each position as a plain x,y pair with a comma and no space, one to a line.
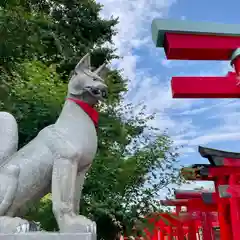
58,158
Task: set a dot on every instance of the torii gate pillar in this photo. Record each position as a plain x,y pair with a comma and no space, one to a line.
184,40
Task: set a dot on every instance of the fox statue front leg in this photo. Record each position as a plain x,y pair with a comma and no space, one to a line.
79,187
65,199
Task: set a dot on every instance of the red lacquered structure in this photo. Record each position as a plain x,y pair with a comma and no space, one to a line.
208,215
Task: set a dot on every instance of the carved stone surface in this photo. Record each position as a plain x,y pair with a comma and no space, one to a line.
57,158
48,236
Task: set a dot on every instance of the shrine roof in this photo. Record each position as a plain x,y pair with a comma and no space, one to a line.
162,26
216,157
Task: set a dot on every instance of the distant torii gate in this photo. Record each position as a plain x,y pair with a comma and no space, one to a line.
185,40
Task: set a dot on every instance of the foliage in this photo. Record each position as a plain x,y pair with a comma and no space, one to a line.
53,31
35,99
134,161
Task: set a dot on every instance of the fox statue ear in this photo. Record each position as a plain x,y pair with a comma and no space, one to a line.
84,63
102,71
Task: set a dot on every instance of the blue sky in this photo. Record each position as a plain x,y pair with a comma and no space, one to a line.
212,123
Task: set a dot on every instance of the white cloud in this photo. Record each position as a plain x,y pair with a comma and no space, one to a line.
134,33
166,63
217,137
134,28
147,83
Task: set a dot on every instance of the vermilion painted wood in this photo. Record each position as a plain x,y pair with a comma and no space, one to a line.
234,208
178,209
220,175
223,171
200,47
162,235
230,162
207,226
160,224
175,202
176,226
214,198
180,232
193,205
170,232
187,194
223,211
234,190
206,87
196,204
192,231
206,219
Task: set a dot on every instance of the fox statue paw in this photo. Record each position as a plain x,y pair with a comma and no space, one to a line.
77,224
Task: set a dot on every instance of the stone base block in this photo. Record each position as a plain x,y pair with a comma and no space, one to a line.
48,236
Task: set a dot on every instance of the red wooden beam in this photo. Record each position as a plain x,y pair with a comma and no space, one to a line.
198,216
187,46
220,171
228,191
183,194
166,218
175,202
195,203
206,196
231,162
206,87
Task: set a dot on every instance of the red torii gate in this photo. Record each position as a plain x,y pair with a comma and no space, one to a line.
171,226
224,170
208,41
183,225
198,215
184,40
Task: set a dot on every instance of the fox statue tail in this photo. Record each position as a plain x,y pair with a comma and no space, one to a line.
8,136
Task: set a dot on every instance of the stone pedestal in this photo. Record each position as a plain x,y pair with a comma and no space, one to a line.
48,236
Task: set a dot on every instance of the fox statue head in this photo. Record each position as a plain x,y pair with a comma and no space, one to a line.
88,85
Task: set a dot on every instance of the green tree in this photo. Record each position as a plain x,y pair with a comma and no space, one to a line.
53,31
54,35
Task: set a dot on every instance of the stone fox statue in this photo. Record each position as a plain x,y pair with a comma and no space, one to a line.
58,158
